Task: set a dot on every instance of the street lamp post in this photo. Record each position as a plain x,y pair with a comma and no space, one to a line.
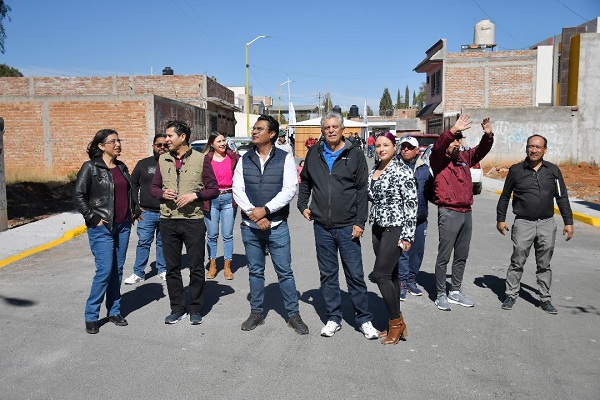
248,84
279,104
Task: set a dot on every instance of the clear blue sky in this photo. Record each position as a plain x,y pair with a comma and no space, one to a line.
352,49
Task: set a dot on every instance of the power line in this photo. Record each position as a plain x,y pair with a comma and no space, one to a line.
565,6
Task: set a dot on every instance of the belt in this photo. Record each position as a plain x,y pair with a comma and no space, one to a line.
225,191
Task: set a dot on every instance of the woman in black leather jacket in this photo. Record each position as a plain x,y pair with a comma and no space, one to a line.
103,196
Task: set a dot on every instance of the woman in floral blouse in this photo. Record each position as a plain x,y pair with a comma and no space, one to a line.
393,214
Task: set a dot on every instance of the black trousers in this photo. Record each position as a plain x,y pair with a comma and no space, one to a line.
175,233
385,272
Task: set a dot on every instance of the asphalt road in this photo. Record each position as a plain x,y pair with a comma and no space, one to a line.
478,353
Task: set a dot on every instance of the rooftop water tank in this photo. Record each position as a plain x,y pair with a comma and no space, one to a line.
353,111
167,71
485,31
337,109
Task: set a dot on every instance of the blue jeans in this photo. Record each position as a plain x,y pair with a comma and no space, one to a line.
277,240
328,242
147,228
109,249
410,261
221,209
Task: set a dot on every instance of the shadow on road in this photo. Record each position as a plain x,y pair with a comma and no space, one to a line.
141,296
13,301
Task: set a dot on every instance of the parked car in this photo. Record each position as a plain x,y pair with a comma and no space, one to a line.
476,171
240,145
199,145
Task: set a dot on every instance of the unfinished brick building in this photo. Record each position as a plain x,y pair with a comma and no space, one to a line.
50,120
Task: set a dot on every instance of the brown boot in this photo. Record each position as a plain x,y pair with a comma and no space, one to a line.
396,331
212,269
227,270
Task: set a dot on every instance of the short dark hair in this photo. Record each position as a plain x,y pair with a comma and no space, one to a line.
158,136
536,135
180,128
273,125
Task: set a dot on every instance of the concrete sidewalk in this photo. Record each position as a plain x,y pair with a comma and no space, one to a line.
28,239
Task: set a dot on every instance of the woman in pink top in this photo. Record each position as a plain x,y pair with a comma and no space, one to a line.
299,169
222,209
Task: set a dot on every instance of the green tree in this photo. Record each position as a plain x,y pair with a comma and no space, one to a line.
385,103
398,100
406,97
4,9
327,103
5,70
369,111
421,97
414,102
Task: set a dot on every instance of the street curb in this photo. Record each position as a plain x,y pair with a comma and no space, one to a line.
68,235
586,219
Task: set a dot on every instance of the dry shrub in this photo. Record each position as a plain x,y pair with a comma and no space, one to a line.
39,175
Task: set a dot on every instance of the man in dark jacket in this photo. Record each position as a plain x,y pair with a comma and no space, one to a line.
410,261
453,194
147,213
335,174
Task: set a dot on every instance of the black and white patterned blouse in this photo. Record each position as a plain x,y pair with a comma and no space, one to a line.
394,198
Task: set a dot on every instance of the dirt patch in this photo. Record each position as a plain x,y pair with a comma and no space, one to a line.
31,201
583,179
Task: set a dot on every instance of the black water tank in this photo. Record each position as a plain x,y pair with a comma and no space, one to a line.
337,109
353,111
167,71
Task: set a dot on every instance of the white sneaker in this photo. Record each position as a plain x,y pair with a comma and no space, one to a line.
133,279
163,276
330,329
369,331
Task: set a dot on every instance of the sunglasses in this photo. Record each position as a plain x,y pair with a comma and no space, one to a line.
163,145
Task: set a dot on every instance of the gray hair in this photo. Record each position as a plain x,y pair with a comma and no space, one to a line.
330,115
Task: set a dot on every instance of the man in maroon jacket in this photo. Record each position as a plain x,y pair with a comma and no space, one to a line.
453,195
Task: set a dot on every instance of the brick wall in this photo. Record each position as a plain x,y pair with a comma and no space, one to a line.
52,133
491,79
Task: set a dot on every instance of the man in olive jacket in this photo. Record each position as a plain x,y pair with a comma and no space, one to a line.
183,179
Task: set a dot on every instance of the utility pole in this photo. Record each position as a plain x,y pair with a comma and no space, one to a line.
3,202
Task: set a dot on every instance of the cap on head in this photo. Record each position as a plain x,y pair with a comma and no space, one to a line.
410,140
281,133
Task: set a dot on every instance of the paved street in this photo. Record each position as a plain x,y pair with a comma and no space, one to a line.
479,353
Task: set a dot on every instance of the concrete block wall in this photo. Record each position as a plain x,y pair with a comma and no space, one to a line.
512,127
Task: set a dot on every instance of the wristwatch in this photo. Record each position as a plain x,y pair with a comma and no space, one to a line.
267,210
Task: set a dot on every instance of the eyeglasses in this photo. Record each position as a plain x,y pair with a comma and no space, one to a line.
163,145
113,142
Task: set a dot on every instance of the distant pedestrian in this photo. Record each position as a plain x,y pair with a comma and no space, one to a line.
183,180
299,169
453,194
393,194
410,261
534,185
334,179
283,144
264,184
147,213
371,146
221,210
102,194
310,142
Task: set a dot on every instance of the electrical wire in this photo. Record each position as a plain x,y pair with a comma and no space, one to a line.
579,15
